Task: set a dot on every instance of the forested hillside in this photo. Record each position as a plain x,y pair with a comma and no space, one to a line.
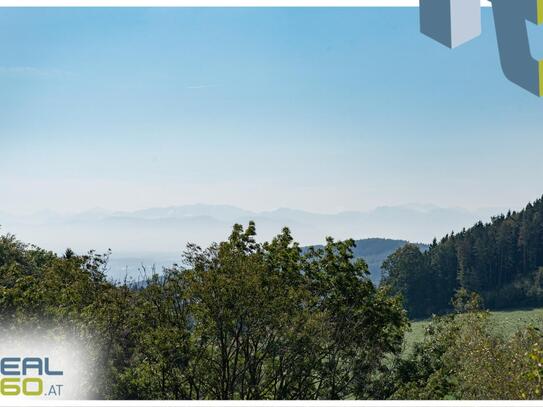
501,260
375,251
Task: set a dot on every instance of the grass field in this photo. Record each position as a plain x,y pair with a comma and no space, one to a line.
505,323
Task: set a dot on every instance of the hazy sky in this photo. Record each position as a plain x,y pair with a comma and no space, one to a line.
317,109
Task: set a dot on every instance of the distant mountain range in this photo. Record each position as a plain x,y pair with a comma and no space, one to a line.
159,235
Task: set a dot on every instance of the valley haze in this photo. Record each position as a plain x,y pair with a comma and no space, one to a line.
157,236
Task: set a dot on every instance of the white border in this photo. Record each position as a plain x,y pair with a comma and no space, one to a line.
214,3
269,403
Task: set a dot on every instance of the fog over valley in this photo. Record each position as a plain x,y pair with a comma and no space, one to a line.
158,236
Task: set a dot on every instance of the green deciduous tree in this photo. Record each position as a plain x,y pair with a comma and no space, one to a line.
237,320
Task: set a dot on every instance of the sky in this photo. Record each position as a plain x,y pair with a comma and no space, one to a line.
323,110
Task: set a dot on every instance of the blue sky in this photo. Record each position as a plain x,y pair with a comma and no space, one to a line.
317,109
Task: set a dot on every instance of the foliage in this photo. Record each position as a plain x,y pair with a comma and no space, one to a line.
502,260
238,320
462,357
248,320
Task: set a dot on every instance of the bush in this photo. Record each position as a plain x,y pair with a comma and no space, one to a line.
461,357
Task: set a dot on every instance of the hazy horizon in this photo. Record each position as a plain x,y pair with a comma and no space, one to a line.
395,222
158,236
416,205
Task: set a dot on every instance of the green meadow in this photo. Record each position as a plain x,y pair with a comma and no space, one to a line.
505,323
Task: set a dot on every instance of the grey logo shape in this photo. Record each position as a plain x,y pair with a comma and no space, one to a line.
518,64
450,22
455,22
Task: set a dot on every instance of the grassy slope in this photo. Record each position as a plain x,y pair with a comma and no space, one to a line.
505,322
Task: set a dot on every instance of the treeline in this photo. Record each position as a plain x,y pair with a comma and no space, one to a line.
237,320
244,320
501,260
